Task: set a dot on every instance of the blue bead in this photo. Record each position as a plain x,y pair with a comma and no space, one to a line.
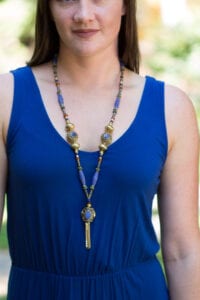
72,134
106,136
88,214
82,177
117,102
60,99
95,178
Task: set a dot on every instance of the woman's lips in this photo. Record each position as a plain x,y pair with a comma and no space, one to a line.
82,33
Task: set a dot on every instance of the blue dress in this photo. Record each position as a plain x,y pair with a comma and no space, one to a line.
45,230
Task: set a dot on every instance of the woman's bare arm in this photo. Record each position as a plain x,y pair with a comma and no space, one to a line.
3,173
6,95
178,199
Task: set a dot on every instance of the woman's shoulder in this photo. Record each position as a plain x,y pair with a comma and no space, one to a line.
7,80
178,104
6,98
180,114
6,91
176,96
177,101
7,86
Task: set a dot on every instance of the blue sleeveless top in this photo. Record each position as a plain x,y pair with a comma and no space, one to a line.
45,230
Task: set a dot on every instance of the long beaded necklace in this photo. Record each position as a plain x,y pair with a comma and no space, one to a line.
88,213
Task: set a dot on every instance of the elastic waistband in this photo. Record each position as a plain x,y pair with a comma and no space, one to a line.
132,268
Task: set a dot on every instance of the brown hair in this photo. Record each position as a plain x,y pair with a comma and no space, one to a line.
47,39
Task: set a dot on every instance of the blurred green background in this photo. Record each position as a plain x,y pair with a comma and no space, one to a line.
169,41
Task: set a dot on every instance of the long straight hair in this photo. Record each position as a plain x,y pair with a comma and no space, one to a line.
47,38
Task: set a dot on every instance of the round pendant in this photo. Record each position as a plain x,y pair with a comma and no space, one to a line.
106,138
88,214
72,137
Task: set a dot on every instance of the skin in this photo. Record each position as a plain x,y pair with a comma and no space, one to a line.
101,16
91,61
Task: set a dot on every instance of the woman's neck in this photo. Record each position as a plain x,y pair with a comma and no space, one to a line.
87,72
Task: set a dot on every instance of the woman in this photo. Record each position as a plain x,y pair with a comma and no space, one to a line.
70,241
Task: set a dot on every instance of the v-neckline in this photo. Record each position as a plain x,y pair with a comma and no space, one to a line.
59,136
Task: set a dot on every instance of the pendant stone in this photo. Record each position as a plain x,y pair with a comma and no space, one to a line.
88,215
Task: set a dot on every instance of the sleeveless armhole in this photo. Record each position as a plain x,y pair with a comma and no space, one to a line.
156,108
161,96
160,93
15,114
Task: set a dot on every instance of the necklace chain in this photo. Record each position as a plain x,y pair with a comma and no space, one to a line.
88,214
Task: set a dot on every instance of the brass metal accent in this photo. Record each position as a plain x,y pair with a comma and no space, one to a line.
87,221
103,147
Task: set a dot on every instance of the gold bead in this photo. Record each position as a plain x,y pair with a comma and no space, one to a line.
72,137
75,146
109,128
89,205
69,126
103,147
106,139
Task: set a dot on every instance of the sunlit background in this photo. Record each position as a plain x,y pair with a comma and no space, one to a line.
170,50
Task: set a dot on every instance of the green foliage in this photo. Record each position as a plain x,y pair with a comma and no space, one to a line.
3,237
180,43
175,58
26,35
159,256
176,53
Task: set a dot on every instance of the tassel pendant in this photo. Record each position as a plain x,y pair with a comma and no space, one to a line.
88,215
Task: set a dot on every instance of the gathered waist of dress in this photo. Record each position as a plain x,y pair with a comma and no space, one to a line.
111,273
134,282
